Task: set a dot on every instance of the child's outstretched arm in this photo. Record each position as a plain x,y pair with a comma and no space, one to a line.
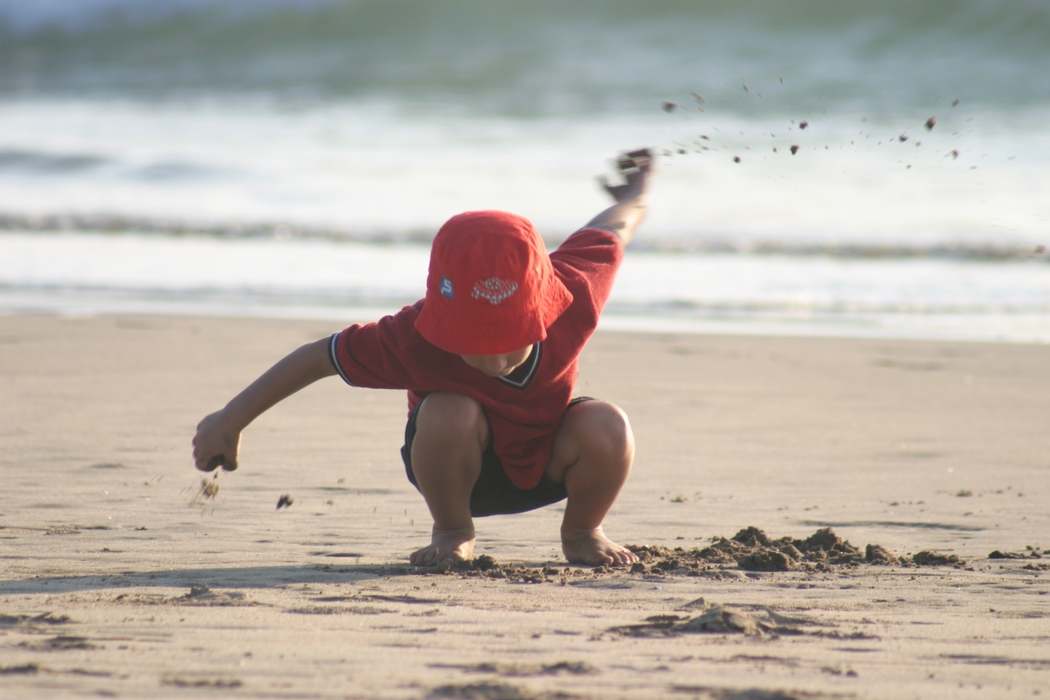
632,199
218,437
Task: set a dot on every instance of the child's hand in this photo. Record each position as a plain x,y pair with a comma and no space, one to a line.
632,200
635,166
216,444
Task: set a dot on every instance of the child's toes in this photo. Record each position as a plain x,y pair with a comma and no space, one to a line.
423,557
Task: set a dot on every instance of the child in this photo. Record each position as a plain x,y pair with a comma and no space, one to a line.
489,362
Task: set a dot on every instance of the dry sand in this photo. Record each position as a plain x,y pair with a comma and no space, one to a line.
119,578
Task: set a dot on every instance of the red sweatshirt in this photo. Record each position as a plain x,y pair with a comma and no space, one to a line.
523,415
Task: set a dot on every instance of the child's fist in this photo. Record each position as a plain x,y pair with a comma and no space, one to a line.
216,462
215,444
634,167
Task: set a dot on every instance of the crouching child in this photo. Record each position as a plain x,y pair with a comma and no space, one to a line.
489,360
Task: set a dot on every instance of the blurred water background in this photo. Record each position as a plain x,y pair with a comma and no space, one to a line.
827,167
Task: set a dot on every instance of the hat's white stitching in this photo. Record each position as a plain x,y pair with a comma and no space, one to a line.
494,289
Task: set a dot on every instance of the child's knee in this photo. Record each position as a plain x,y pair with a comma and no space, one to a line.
604,427
451,418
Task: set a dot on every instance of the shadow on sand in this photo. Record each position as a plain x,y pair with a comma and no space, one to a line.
233,577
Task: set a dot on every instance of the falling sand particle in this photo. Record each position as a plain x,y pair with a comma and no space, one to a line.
208,490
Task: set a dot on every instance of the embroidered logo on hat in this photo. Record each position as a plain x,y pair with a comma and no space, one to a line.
446,287
494,289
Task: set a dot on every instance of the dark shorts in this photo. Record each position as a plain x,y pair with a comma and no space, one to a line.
494,493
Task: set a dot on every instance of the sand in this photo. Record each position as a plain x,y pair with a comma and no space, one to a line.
119,577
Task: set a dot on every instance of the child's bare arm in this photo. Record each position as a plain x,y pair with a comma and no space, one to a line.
632,199
218,437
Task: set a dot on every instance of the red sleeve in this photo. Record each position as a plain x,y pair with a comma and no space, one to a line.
387,354
587,263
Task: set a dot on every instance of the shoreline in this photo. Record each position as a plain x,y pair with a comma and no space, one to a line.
113,582
1011,329
725,293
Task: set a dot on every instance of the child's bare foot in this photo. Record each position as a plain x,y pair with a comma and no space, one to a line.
446,546
593,548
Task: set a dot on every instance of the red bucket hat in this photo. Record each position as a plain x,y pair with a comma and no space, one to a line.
491,288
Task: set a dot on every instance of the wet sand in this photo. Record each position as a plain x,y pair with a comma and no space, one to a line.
120,578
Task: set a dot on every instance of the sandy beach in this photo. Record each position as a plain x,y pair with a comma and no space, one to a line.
119,578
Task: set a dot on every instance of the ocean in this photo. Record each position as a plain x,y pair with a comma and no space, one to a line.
874,169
